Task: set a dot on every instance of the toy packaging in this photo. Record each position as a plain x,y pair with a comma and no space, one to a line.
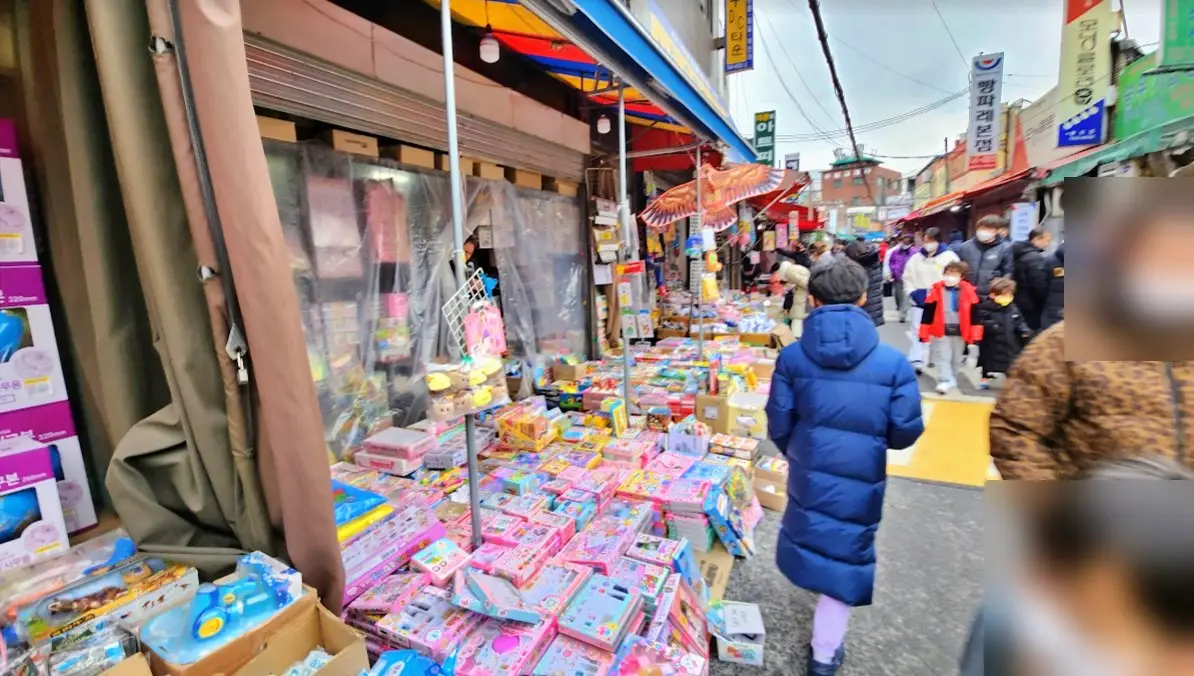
647,578
689,437
500,528
487,555
555,486
498,598
727,523
554,587
636,514
223,611
566,656
681,611
580,512
16,230
686,496
645,485
525,506
389,596
599,546
713,473
400,442
30,369
351,502
462,389
387,463
739,630
671,464
410,530
445,459
440,560
104,649
602,613
565,524
520,563
53,425
430,624
640,656
498,647
31,523
659,551
536,535
129,593
405,663
360,524
738,447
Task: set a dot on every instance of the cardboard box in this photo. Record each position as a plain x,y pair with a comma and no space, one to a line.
489,170
29,495
782,336
240,651
756,339
771,495
415,157
348,142
524,178
277,130
714,411
763,368
314,627
561,185
715,566
562,371
739,632
130,666
468,165
32,374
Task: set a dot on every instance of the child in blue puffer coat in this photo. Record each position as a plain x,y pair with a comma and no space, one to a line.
839,399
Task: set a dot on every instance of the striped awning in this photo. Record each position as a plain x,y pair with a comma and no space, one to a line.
518,29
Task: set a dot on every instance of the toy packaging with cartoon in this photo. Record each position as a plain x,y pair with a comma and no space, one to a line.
31,523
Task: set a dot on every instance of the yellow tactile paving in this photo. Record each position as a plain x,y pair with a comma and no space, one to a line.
954,448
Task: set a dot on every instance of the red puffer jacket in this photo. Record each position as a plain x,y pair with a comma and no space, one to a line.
932,323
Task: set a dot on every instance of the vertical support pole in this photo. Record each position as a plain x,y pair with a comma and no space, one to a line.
627,237
700,292
456,186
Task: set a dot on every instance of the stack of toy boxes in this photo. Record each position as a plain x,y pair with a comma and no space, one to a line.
33,398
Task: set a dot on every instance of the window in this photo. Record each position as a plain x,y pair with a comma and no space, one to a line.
837,183
856,201
857,180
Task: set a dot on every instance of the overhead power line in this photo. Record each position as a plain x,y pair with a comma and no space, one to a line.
884,66
878,124
965,61
821,133
823,36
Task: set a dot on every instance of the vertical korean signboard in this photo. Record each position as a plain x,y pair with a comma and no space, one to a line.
1085,73
765,137
740,35
986,88
1176,51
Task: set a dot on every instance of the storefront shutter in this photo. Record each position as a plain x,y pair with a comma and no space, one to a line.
289,81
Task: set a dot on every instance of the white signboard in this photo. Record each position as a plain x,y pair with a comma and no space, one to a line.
792,161
1023,220
986,89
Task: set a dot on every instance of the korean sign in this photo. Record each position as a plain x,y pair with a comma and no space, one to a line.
1085,73
792,161
986,88
740,35
1176,51
765,137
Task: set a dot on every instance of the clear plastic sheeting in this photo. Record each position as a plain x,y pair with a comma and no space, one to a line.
372,254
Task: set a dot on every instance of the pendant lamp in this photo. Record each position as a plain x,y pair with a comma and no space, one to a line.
490,50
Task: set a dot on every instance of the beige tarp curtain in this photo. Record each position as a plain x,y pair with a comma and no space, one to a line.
128,231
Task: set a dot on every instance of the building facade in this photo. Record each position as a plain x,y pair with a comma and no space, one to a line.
853,182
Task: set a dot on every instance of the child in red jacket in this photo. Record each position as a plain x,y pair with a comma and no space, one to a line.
949,323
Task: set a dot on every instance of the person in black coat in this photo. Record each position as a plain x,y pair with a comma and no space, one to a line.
1054,310
868,257
1005,333
1032,282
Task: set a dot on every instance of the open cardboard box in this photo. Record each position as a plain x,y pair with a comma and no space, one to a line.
315,627
771,495
715,566
129,666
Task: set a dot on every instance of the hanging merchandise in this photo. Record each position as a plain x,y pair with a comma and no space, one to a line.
484,333
769,240
693,247
721,189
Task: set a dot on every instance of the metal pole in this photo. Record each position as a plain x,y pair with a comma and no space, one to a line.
700,291
946,166
627,239
457,189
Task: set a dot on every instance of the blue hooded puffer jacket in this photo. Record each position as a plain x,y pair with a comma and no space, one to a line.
838,401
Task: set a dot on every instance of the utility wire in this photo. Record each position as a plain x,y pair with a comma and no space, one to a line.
796,70
884,66
879,124
821,133
965,61
823,36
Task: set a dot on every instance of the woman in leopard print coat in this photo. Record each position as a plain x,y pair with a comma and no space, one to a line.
1056,419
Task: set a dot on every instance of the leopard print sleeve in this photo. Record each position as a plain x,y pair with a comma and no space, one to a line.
1028,414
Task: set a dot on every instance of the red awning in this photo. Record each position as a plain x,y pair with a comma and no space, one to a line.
992,184
658,139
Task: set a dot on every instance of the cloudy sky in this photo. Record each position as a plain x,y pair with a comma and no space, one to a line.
895,57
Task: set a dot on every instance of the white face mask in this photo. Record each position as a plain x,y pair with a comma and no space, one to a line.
931,247
952,280
985,235
1164,301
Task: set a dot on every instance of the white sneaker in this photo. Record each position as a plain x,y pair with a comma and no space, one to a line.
944,388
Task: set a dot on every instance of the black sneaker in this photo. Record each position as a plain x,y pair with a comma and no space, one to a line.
816,668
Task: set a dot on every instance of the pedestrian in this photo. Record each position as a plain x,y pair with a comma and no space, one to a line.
1054,308
839,399
1032,281
893,271
795,277
956,239
1005,332
869,258
949,323
1056,419
924,269
819,254
987,255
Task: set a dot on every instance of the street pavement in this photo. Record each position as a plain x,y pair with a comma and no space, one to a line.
930,553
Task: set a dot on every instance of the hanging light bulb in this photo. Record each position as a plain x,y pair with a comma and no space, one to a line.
603,125
490,50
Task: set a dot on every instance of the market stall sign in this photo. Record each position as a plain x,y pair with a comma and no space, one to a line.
986,90
632,268
740,35
765,137
1149,101
1085,73
1176,51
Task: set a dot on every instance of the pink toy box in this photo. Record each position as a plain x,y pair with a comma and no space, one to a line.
565,524
31,524
600,545
641,656
503,647
555,586
521,563
400,442
526,506
487,555
500,529
602,614
429,624
387,463
538,536
566,656
53,426
648,578
672,465
644,485
411,529
555,486
440,560
389,596
683,612
30,369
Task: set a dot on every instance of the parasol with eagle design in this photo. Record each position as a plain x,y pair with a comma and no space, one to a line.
720,190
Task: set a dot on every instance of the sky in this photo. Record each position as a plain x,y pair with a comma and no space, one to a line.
908,38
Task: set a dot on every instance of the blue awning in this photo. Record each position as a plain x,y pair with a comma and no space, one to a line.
652,61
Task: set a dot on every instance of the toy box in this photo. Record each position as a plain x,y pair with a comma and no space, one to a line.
572,473
555,486
414,528
738,447
498,647
500,528
772,468
726,521
714,473
689,437
637,514
362,523
680,608
640,656
645,485
400,442
686,496
440,560
129,593
53,426
599,546
566,656
535,535
388,596
671,464
350,503
223,611
565,524
16,230
581,512
497,597
497,501
519,564
31,524
554,587
659,551
739,630
520,482
486,556
30,369
602,613
387,463
525,506
647,578
430,624
445,459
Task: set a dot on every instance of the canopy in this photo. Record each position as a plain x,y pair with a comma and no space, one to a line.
1162,137
579,41
991,186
